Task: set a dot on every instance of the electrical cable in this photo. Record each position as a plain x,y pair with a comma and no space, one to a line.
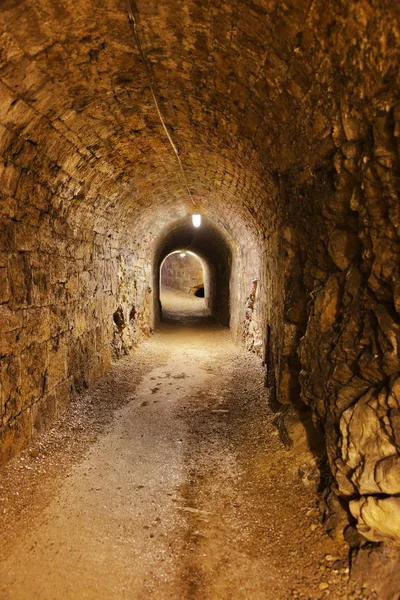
133,20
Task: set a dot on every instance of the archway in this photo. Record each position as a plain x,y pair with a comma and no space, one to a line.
184,285
210,246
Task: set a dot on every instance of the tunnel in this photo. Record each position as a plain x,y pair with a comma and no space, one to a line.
209,244
185,271
278,123
184,276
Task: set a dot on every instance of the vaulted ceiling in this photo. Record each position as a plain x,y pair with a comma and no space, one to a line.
249,89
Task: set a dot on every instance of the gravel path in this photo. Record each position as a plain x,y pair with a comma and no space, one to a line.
168,481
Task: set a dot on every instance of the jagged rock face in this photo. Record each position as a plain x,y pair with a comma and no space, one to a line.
287,120
369,445
378,518
350,349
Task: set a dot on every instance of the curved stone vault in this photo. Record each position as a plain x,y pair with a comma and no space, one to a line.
286,116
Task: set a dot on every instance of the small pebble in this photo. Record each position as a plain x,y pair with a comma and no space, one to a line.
329,557
323,586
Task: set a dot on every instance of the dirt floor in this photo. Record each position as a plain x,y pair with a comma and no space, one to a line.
168,480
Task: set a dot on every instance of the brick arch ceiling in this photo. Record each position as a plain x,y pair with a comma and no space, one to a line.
247,88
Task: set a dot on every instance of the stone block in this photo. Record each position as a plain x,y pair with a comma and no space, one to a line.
10,382
87,284
72,286
10,343
26,237
8,209
9,176
7,235
80,322
15,436
33,373
4,287
21,280
3,260
78,363
43,413
7,98
61,319
57,362
58,270
97,367
36,326
10,320
63,393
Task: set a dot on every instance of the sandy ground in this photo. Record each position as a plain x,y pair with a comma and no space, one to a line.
168,481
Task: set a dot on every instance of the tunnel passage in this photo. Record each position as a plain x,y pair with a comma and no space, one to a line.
182,270
182,274
216,255
287,121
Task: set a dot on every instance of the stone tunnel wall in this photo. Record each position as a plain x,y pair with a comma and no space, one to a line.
61,282
88,181
59,291
342,313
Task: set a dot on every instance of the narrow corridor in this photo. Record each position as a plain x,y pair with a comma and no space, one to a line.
247,154
187,492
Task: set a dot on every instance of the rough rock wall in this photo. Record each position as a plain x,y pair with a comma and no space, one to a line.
184,273
260,278
338,338
350,352
342,325
132,303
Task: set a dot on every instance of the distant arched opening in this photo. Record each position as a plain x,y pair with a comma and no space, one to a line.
182,271
182,274
206,245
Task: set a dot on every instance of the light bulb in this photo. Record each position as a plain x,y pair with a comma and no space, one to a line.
196,219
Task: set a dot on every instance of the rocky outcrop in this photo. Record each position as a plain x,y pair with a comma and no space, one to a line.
369,445
378,518
350,350
372,568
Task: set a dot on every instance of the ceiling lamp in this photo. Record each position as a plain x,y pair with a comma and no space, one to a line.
196,219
